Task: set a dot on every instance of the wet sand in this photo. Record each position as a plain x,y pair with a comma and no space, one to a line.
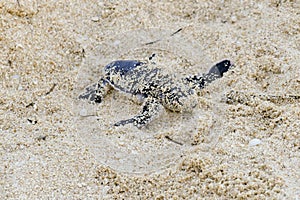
241,142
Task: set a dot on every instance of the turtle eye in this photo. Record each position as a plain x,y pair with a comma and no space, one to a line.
223,66
224,63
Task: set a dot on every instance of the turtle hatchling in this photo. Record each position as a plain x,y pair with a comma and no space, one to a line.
149,84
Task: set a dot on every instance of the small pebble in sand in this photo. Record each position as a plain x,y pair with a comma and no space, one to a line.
254,142
117,43
233,19
83,112
16,76
95,19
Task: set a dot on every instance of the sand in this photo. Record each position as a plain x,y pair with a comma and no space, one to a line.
241,142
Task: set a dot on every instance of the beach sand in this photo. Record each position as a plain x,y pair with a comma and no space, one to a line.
242,141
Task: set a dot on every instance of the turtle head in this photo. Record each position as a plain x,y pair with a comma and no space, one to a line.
220,68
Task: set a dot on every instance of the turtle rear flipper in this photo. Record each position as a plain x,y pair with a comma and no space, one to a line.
96,92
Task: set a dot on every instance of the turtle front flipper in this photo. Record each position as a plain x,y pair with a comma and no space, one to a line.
151,109
96,92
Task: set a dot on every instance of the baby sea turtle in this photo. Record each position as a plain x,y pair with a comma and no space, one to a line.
155,89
